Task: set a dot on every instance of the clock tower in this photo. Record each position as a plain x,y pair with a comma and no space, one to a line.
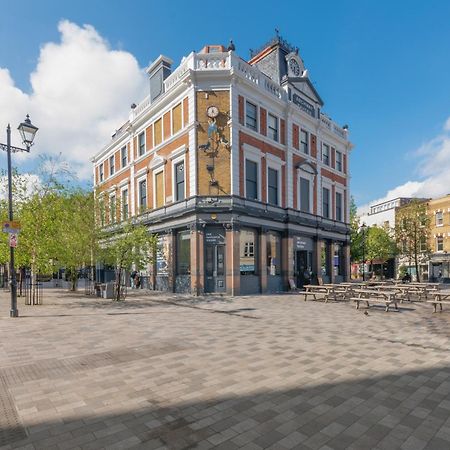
295,67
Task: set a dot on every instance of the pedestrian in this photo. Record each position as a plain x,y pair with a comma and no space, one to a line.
133,279
137,281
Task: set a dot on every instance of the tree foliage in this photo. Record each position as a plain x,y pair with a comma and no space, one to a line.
412,232
132,245
356,235
379,244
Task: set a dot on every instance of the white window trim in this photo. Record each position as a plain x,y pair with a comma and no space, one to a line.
258,127
435,219
111,195
255,155
121,159
271,164
278,127
113,157
144,132
327,185
175,161
336,151
138,180
339,191
156,172
308,140
329,154
122,189
310,177
101,179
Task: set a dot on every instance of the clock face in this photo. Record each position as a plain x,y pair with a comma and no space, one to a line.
212,111
294,66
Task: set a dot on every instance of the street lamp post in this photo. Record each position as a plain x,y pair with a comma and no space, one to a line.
363,231
27,131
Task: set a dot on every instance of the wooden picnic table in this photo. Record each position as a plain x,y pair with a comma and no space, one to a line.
439,299
312,289
386,297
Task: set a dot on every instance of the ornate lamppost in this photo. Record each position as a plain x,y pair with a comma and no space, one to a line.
363,232
27,131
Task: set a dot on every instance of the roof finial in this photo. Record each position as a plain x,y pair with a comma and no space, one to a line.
231,46
277,32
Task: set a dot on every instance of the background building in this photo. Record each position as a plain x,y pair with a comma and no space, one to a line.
237,169
439,261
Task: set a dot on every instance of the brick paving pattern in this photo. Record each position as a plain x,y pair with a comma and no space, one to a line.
173,372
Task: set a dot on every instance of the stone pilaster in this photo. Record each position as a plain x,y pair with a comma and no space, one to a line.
197,260
287,259
263,259
233,273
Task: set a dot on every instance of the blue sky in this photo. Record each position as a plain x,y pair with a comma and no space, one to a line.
380,66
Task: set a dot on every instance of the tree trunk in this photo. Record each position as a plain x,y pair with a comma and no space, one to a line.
118,283
73,280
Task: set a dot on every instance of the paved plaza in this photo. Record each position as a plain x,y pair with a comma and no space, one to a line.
160,372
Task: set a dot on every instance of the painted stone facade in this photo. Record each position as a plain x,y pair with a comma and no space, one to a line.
236,168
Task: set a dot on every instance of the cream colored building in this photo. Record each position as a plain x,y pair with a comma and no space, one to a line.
439,263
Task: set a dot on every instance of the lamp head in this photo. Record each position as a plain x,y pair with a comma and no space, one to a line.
27,131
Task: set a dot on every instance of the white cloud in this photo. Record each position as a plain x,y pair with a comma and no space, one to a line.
81,92
433,171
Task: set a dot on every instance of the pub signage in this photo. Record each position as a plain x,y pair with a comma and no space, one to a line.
304,105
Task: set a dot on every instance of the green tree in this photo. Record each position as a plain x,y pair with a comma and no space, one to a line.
78,234
356,235
132,244
412,225
379,244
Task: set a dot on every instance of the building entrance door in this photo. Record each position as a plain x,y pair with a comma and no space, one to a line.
301,268
215,262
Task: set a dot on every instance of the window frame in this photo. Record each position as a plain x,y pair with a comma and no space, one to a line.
273,133
338,161
139,205
439,242
141,145
256,127
122,206
258,177
439,217
277,170
155,173
327,162
101,173
175,164
328,202
304,145
112,165
341,206
112,208
124,156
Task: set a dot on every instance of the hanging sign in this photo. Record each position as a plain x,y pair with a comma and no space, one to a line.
11,227
12,240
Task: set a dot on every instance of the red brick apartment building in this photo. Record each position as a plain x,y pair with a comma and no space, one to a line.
236,168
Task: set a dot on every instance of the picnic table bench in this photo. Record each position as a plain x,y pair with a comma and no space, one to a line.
386,298
439,299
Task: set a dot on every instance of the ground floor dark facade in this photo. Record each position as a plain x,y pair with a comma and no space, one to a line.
235,246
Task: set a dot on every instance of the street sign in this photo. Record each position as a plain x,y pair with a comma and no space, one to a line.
11,227
12,240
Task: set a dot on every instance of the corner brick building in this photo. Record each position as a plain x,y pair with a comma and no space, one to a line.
236,168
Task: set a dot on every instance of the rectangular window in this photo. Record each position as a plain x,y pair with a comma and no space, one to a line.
179,181
304,195
159,189
247,260
326,203
326,154
141,143
272,186
304,141
423,244
101,173
273,254
272,127
125,204
183,253
338,266
339,206
112,208
111,165
338,161
439,243
439,218
251,116
142,195
124,156
251,180
101,205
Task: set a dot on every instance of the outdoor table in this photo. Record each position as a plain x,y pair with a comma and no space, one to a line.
386,297
439,299
312,290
